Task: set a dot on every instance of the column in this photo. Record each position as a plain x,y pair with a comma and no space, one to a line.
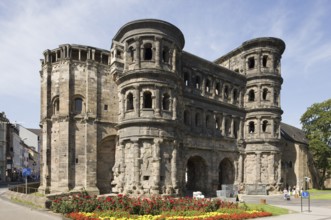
232,127
259,94
136,163
258,167
240,168
157,167
137,102
223,124
122,106
174,108
137,54
259,62
258,127
157,52
279,170
271,170
240,136
157,102
174,165
174,54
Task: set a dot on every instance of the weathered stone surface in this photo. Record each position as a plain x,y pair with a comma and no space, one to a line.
147,117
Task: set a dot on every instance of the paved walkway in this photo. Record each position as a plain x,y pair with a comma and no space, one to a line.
319,209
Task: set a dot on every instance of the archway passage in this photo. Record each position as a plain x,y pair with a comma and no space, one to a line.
196,175
226,173
105,163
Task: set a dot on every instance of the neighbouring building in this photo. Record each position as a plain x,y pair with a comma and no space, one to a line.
148,117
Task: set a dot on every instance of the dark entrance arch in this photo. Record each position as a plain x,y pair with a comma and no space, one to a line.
196,175
105,163
226,173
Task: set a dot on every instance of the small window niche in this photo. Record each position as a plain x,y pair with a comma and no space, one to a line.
251,63
129,102
251,95
166,102
187,79
264,125
148,53
265,61
147,99
78,105
251,127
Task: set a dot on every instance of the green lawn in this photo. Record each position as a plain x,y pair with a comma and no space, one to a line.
320,194
267,208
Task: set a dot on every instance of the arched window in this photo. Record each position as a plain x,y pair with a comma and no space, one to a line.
129,102
251,95
226,92
264,94
148,53
264,125
187,79
217,123
56,105
235,95
251,63
186,117
251,127
197,82
131,54
207,88
165,54
207,121
147,98
166,102
78,105
217,88
197,119
264,60
235,129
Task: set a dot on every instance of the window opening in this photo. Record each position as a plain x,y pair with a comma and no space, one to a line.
105,107
197,119
186,79
131,54
264,94
186,117
207,85
217,124
235,95
251,95
235,129
264,60
129,102
251,127
264,125
165,54
147,99
78,105
207,121
197,82
217,88
148,52
226,92
166,102
251,62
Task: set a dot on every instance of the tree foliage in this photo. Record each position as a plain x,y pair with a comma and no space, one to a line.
316,123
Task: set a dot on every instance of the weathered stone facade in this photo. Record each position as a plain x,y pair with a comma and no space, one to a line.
147,117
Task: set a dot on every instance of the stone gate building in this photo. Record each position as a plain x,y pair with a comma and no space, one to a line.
147,117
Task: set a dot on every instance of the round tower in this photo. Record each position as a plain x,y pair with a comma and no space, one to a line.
261,65
144,64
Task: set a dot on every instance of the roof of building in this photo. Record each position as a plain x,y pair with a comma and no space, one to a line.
35,131
293,134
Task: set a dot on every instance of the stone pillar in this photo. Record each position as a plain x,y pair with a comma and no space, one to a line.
137,54
258,127
174,108
157,102
272,124
122,106
137,102
271,168
232,127
136,163
259,94
174,166
258,167
240,169
259,62
240,135
279,170
174,54
157,51
157,167
223,124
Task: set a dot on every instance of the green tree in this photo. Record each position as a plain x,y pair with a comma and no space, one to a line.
316,123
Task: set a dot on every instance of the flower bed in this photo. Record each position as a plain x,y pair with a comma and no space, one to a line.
83,206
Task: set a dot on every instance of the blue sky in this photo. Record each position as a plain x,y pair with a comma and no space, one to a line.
211,29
